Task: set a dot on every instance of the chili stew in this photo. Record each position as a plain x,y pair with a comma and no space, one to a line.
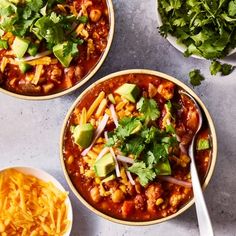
125,147
49,46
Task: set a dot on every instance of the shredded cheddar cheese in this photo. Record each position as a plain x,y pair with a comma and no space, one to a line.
29,206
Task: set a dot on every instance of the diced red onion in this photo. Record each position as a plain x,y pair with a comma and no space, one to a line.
114,115
104,151
37,56
173,180
125,159
168,121
117,168
131,180
182,148
98,132
177,137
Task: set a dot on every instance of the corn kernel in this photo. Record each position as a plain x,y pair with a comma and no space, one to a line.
2,227
70,160
81,170
117,98
90,173
120,105
159,201
130,107
123,188
108,112
92,155
97,180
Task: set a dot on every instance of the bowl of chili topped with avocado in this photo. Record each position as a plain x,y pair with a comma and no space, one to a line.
50,48
124,147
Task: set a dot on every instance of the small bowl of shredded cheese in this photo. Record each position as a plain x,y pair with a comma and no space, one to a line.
33,203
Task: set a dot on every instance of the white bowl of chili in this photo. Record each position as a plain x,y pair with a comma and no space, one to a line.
124,147
42,198
64,47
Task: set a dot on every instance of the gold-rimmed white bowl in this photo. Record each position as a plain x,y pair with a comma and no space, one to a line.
44,176
181,85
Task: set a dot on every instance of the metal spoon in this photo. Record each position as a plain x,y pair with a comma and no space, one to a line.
204,221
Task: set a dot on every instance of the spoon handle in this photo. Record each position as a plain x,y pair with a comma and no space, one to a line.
204,221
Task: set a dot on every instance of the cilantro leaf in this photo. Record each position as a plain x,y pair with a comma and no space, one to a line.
70,48
133,145
149,134
215,67
170,129
35,5
149,109
145,174
83,19
3,44
232,8
226,69
128,126
195,77
50,31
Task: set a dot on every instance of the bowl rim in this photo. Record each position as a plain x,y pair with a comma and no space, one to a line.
86,78
181,47
45,176
178,83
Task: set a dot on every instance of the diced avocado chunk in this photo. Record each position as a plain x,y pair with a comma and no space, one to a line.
4,3
203,144
58,52
111,98
129,91
20,46
24,67
163,168
109,178
104,165
83,135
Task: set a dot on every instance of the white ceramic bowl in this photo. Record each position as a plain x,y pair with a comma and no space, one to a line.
87,77
181,47
168,78
42,175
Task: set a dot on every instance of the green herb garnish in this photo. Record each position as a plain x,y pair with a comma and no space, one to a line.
149,109
150,146
40,20
224,69
206,28
195,77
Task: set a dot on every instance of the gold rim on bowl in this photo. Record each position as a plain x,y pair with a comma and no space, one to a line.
181,85
87,77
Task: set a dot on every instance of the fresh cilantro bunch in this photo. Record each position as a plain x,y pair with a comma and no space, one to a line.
206,27
141,138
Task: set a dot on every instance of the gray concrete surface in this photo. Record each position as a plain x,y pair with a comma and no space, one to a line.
29,131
